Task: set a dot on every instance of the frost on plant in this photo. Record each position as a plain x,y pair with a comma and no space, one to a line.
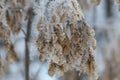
65,39
5,33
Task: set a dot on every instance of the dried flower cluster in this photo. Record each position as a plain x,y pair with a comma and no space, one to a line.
65,40
12,13
9,47
10,18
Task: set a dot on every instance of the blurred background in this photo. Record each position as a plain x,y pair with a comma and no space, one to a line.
105,20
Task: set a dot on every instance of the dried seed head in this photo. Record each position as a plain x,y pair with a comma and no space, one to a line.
14,18
66,44
41,57
51,69
11,56
60,70
63,40
9,47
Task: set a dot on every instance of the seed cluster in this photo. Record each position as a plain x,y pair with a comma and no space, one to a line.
65,40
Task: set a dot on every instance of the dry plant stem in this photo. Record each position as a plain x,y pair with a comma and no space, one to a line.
27,60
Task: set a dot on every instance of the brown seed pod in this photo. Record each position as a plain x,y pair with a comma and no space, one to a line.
8,46
41,58
51,69
14,18
12,56
90,64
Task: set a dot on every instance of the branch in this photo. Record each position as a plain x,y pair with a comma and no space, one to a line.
29,25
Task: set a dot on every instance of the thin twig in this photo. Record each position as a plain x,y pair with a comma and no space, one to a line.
23,31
